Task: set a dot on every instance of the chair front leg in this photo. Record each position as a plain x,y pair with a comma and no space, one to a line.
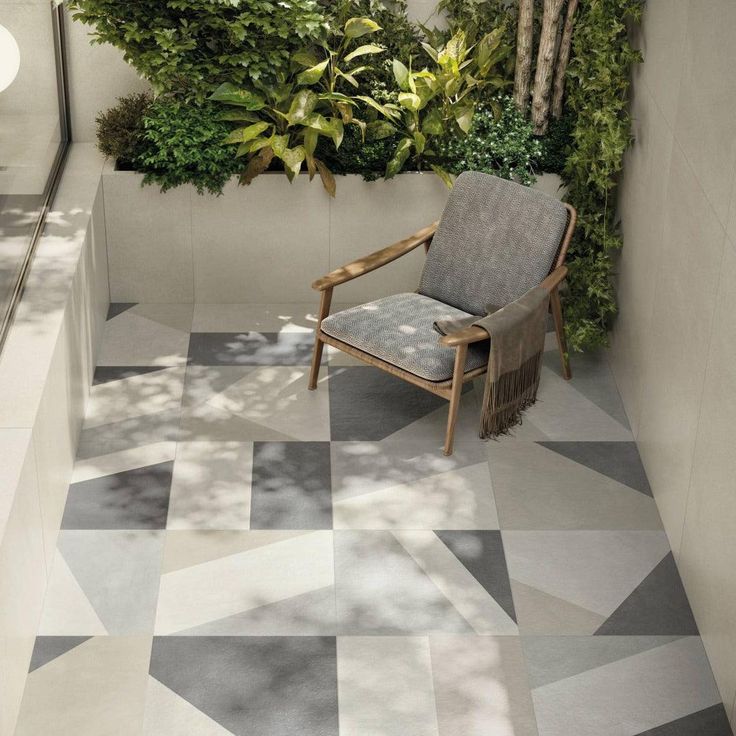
556,305
455,393
324,310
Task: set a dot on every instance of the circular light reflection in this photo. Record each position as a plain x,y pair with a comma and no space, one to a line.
9,58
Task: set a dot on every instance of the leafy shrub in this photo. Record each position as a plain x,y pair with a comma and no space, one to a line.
505,147
356,156
183,144
556,144
120,129
189,47
597,96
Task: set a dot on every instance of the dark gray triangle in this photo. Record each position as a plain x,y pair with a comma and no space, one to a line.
108,373
481,552
48,648
117,308
657,606
707,722
617,460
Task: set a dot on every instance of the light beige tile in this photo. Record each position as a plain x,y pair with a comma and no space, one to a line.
210,487
149,243
660,40
22,568
705,122
367,216
262,243
708,547
300,317
98,687
674,361
641,208
385,687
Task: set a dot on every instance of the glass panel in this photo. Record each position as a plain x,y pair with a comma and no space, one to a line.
30,129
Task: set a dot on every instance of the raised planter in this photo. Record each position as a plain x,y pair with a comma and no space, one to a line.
262,243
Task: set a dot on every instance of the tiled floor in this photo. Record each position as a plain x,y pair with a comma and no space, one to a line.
242,556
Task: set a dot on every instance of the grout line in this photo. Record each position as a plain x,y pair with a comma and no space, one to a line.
107,240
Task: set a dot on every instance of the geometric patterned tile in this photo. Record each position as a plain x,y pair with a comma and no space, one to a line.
250,686
537,487
97,687
131,499
146,334
406,485
712,721
481,686
593,572
630,695
251,348
258,317
103,582
253,403
211,486
250,582
47,648
410,582
291,486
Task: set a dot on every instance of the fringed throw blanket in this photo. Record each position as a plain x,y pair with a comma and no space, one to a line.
515,359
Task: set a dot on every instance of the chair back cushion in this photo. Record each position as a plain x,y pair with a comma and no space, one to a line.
495,241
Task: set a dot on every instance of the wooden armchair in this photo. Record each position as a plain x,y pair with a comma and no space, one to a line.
490,228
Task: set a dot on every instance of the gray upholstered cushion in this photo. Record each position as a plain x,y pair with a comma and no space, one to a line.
398,329
496,240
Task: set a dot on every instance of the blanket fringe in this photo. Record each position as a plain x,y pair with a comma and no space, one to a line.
506,398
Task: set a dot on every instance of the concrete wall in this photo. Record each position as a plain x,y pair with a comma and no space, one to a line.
45,372
674,344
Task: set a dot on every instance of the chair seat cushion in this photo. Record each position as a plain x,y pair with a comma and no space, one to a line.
398,329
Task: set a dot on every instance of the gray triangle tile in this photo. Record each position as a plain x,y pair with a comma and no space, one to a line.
117,308
707,722
658,605
109,373
481,552
619,461
553,658
48,648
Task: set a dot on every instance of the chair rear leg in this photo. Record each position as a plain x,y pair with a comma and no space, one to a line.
455,394
556,306
324,309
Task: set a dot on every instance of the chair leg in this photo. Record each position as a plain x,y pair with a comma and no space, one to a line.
556,306
456,392
324,310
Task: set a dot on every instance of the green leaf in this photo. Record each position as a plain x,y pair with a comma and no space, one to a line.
239,116
313,74
311,136
383,109
328,180
292,158
302,105
409,100
401,74
357,27
379,130
464,118
233,95
243,135
398,160
419,142
369,48
433,123
446,177
279,143
305,58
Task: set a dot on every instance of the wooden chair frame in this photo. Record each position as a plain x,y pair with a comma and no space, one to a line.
451,388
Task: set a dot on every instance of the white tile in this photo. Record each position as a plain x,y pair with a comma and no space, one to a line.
300,317
263,243
149,241
384,686
211,486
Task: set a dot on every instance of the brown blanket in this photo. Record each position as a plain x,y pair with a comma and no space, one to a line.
514,361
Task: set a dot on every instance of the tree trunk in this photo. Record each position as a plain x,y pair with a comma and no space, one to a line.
524,44
563,57
545,64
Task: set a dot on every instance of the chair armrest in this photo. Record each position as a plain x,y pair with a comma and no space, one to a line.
375,260
473,333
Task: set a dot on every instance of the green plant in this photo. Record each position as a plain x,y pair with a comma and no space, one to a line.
182,144
286,120
597,95
441,101
189,47
357,155
503,146
120,129
556,145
